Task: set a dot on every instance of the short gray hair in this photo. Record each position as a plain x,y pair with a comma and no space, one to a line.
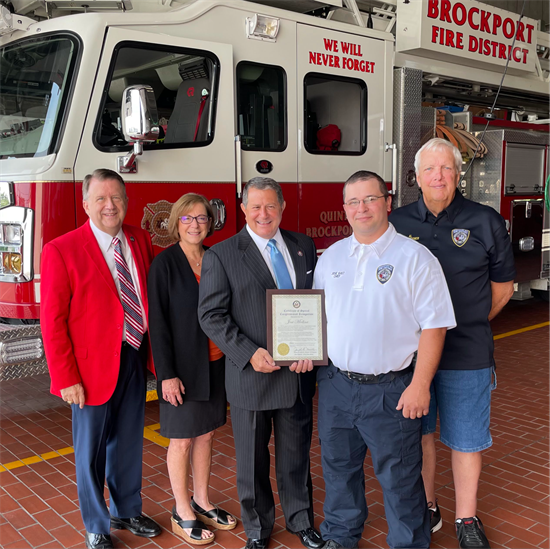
364,175
438,144
101,174
262,184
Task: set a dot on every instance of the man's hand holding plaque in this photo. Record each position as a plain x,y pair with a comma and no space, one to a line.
263,362
302,366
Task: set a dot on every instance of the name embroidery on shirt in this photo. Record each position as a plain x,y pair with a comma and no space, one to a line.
384,273
460,236
337,274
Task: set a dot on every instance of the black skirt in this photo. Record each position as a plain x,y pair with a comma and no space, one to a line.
195,418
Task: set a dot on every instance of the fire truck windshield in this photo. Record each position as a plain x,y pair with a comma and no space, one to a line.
35,76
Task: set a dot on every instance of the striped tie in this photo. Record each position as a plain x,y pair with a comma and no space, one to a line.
130,301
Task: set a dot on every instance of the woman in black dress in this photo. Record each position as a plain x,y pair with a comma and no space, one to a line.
190,370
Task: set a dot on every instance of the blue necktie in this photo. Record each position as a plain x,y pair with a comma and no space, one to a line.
284,281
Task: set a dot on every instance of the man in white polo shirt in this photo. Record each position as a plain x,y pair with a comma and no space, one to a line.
386,299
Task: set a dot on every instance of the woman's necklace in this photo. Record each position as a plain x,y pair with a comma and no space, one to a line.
193,260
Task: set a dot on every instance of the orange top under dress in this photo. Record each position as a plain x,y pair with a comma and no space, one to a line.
214,352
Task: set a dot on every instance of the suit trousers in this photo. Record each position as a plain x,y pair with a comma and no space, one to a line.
354,417
292,429
108,443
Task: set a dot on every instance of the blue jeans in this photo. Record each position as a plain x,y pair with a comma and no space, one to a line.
463,400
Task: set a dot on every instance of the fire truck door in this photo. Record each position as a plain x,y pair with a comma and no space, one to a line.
344,84
193,85
265,74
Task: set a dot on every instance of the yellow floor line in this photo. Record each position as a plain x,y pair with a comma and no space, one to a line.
153,436
150,433
522,330
35,459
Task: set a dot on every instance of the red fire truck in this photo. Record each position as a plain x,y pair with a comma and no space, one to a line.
305,91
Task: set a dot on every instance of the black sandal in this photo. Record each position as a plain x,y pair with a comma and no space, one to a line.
215,517
197,527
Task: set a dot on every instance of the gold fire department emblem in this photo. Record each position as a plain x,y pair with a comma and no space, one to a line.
155,221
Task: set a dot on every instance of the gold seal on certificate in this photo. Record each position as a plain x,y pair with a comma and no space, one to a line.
296,326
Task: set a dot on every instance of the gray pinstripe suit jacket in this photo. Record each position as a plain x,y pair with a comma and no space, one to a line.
232,312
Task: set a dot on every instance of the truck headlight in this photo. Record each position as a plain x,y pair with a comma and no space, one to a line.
11,234
11,263
16,244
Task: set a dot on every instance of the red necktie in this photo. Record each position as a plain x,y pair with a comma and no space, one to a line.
130,301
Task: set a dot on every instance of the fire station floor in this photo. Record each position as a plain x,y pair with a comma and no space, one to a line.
38,498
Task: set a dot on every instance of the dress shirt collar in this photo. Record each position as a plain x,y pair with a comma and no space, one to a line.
378,246
452,210
105,239
262,242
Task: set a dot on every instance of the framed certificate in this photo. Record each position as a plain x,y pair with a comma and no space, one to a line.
297,326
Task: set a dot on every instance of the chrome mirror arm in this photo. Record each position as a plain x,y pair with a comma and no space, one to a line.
127,164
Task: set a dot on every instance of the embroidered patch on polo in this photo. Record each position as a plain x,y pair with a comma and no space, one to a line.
384,273
460,236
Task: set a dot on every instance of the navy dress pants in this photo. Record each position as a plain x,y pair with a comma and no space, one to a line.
354,417
108,444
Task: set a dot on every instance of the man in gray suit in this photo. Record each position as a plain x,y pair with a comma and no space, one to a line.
232,311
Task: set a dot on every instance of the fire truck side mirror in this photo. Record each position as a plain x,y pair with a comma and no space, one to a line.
139,115
139,123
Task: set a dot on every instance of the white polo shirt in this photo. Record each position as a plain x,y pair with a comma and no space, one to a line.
379,297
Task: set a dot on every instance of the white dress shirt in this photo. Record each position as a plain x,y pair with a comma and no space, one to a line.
107,248
266,253
378,299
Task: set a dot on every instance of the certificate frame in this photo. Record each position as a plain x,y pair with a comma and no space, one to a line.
315,304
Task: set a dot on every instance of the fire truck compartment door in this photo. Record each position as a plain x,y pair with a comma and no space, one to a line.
266,106
345,80
212,162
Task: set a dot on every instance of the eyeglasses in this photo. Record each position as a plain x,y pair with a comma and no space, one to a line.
188,219
366,201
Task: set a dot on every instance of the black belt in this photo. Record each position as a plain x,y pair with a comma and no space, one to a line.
380,378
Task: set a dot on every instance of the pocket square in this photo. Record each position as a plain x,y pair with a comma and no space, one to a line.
309,272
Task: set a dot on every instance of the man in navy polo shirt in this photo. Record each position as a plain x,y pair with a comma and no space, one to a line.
472,244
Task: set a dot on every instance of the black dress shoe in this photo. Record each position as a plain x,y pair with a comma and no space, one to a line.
98,541
331,544
141,526
257,543
310,538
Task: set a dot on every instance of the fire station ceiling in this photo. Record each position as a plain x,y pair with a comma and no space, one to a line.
460,93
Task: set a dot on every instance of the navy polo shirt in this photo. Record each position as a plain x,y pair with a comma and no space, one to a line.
472,244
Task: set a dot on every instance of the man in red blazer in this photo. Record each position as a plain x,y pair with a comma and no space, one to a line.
94,326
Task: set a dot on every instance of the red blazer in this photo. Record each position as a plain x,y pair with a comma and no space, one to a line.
81,315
